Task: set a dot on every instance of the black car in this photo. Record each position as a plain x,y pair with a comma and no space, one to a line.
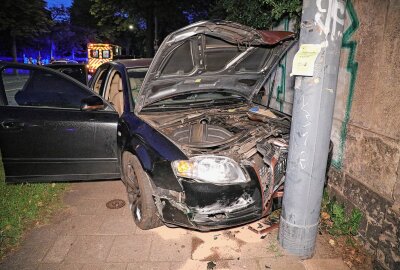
193,147
74,70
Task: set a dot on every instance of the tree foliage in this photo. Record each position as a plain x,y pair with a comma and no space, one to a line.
60,31
152,19
261,14
23,18
136,24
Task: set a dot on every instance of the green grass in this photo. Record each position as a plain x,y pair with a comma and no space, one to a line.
342,222
21,206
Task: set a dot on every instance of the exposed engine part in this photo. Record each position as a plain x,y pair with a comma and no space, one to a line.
204,121
230,132
274,154
201,135
225,131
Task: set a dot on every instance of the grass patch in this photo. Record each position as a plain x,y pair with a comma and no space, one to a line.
337,221
22,205
341,226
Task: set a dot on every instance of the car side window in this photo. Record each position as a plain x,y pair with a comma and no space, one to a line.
41,88
99,80
113,91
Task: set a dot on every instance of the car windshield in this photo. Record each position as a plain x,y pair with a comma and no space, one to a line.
199,99
136,77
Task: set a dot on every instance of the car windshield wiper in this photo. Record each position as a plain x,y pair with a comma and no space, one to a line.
230,100
194,103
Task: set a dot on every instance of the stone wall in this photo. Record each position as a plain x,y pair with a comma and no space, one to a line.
365,171
366,129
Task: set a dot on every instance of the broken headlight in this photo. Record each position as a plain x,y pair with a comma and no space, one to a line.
210,169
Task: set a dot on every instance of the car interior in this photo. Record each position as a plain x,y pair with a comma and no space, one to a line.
114,93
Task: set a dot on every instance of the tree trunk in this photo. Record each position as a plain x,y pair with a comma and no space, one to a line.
14,48
150,32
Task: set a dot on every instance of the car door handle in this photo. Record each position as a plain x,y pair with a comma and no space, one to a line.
12,125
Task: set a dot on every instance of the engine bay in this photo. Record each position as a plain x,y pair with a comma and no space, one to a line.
256,139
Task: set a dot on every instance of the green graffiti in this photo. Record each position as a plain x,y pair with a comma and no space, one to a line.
281,88
352,68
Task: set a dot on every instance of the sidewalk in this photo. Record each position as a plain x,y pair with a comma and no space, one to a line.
88,235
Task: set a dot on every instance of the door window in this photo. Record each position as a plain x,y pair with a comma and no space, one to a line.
136,77
41,88
113,92
99,80
106,54
94,53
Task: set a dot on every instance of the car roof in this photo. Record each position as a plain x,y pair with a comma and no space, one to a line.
132,63
53,65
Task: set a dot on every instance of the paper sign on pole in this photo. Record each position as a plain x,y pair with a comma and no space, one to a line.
303,62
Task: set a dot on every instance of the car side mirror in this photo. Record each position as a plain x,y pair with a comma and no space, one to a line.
92,103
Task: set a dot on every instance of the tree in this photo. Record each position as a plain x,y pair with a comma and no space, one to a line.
80,14
156,18
83,23
261,14
23,19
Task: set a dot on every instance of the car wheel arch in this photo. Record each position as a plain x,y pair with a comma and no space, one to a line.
148,217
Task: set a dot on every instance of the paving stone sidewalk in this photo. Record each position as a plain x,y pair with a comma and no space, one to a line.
88,235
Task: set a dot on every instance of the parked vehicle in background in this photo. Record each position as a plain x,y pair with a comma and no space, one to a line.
76,71
99,53
64,61
193,147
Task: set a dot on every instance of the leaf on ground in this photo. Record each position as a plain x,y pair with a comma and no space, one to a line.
325,216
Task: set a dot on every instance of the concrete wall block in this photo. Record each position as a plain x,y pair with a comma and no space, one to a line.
369,37
337,139
391,228
386,110
373,232
342,89
396,190
388,249
366,200
377,265
336,179
372,159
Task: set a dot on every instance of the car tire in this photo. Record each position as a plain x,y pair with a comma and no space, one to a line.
139,191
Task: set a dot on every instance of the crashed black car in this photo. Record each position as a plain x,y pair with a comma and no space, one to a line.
194,148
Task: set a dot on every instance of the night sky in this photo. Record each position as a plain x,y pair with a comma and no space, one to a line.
52,3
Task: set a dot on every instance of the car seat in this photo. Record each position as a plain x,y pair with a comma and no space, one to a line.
116,96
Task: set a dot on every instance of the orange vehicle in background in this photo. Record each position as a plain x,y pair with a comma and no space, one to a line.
99,53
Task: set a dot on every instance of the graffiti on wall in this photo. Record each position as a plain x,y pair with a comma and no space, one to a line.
351,67
281,88
334,15
280,83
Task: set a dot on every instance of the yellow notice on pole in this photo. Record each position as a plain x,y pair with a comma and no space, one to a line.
303,62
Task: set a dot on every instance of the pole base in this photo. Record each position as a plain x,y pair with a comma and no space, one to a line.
298,240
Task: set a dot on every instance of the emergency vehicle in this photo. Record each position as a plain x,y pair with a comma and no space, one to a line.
99,53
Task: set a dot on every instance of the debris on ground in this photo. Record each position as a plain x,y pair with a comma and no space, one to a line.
211,265
266,225
216,236
332,242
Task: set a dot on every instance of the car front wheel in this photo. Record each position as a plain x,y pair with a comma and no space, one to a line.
139,192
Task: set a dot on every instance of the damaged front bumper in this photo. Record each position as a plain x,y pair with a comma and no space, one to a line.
206,206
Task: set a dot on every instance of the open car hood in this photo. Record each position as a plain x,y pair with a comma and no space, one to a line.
213,56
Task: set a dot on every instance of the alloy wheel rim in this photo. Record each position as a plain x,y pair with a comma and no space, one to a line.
133,190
